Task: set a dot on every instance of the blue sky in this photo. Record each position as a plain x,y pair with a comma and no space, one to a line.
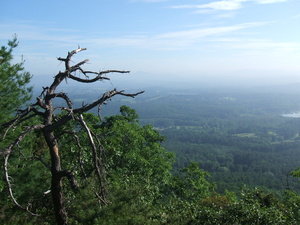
165,39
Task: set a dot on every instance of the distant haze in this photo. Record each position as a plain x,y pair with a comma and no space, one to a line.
232,42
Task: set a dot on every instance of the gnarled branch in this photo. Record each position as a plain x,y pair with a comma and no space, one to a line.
6,154
7,179
85,108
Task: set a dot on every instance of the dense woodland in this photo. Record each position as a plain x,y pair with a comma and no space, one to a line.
241,136
208,155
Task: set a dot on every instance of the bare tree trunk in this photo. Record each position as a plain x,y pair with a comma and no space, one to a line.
56,181
58,200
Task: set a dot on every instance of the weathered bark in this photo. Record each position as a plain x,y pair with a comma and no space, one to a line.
58,199
56,181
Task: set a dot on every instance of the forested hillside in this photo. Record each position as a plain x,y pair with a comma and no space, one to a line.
240,135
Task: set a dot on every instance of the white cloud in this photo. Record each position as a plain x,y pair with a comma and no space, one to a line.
172,40
164,41
222,5
198,33
216,5
226,4
183,6
269,1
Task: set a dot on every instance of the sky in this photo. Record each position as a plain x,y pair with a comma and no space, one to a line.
191,40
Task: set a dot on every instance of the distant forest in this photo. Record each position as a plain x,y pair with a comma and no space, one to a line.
238,135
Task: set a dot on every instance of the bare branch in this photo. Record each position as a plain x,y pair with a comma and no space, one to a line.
85,108
77,66
87,80
57,80
113,71
40,103
6,154
76,51
8,150
70,54
67,60
63,96
95,158
71,178
105,96
98,77
10,189
22,116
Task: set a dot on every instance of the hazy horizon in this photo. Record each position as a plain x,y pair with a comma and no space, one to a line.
146,80
237,42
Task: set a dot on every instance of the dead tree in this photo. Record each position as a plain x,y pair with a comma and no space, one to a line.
45,109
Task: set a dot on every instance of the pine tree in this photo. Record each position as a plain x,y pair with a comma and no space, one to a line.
14,80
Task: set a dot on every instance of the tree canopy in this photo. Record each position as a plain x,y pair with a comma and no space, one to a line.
14,81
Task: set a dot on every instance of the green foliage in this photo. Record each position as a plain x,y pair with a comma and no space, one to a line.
138,171
192,185
30,179
134,153
234,160
14,90
24,170
296,172
184,193
254,207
